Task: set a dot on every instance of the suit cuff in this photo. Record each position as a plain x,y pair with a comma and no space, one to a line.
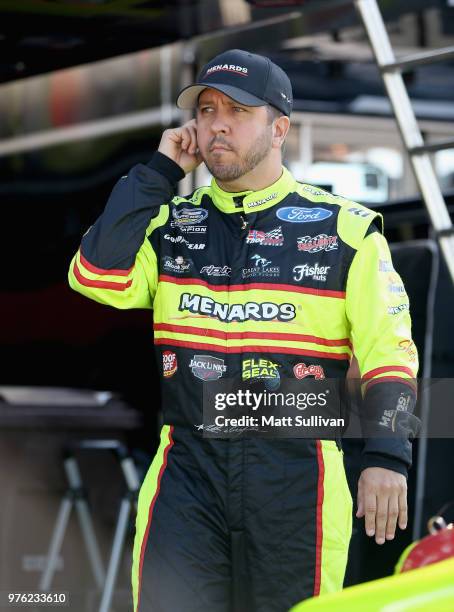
167,167
384,461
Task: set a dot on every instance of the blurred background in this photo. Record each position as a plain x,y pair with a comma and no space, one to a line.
86,89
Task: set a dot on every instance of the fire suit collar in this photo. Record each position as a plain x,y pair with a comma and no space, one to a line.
253,201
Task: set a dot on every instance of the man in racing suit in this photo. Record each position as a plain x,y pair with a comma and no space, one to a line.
254,273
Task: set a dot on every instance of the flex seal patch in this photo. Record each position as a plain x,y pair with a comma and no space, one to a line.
299,214
207,367
261,369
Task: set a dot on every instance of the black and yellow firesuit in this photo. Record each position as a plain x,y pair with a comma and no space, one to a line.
289,278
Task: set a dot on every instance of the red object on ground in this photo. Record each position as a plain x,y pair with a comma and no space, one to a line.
432,548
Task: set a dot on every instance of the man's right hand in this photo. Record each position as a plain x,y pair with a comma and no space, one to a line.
180,144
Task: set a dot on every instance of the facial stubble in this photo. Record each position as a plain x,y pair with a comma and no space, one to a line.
225,171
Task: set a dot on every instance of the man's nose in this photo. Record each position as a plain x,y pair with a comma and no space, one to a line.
220,124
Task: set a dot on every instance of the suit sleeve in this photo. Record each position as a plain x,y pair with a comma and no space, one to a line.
378,310
116,264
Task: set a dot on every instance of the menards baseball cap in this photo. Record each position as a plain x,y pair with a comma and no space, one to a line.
248,78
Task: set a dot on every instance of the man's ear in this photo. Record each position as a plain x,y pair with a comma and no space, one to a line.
281,127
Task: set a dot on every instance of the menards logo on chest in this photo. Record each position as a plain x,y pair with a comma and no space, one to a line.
263,311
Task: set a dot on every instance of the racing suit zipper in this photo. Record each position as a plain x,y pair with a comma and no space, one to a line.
237,447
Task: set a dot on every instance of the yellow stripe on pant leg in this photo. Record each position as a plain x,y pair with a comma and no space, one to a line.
147,497
336,519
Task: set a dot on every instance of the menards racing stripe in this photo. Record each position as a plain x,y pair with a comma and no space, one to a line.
213,333
248,286
389,373
259,316
238,342
89,275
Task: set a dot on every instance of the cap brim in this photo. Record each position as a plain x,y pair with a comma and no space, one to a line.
189,96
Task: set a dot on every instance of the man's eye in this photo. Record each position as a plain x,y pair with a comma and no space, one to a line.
204,109
239,109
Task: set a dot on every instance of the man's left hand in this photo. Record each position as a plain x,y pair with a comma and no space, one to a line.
382,499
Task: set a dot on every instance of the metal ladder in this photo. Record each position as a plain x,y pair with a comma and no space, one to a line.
391,71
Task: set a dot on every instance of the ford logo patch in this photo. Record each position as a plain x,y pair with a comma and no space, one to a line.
298,214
